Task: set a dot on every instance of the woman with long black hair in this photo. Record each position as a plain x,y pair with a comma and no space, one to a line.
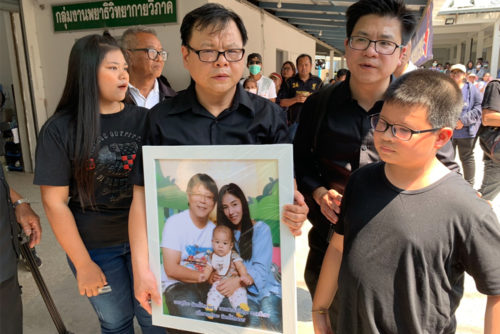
84,155
255,246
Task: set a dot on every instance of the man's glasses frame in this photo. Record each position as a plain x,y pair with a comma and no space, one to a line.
401,132
211,56
153,54
382,47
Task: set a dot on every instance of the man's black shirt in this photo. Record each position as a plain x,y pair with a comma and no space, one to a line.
326,154
182,120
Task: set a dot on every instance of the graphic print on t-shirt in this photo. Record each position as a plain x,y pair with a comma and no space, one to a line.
114,161
197,257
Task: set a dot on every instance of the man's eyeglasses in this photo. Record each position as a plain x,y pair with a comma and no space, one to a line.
153,54
202,197
399,131
210,56
381,46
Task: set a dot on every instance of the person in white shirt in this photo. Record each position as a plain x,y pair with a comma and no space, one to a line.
265,86
146,58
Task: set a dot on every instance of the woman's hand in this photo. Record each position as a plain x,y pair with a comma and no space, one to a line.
228,286
90,279
145,289
321,323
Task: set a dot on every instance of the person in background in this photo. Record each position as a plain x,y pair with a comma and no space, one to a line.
490,186
250,85
91,141
15,214
341,75
277,79
481,85
434,66
288,70
299,88
472,77
470,66
146,59
265,86
464,135
406,64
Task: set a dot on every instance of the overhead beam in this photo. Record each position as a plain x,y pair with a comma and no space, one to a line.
303,7
310,16
331,24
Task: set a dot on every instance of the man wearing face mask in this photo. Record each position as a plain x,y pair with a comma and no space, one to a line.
265,86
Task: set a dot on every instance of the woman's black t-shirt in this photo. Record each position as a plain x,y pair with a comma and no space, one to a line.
114,154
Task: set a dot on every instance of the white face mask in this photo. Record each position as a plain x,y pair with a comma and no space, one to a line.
251,90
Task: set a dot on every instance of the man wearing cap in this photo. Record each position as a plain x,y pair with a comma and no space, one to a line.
146,58
464,135
265,86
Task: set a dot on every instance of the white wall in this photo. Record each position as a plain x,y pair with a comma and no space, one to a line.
5,68
267,33
54,48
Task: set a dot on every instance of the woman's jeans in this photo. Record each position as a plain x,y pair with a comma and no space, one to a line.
116,309
466,154
491,179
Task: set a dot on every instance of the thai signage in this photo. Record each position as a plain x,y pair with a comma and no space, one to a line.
422,41
117,13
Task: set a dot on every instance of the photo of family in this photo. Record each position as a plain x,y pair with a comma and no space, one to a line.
219,243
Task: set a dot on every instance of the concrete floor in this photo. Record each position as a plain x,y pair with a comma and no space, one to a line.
80,318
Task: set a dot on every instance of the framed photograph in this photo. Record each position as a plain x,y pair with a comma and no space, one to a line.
223,260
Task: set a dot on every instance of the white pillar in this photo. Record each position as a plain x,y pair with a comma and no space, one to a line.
479,44
467,50
332,65
495,49
459,53
342,62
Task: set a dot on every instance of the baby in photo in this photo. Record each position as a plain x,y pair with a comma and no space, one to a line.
226,262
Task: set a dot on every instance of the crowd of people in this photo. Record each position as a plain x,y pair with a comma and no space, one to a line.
395,227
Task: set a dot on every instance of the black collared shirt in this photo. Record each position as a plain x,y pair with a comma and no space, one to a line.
343,143
182,120
294,85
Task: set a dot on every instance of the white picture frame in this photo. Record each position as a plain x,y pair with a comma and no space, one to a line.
252,167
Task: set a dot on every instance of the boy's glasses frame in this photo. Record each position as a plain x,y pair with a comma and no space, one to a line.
401,132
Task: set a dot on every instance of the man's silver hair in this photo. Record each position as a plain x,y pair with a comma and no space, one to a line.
128,39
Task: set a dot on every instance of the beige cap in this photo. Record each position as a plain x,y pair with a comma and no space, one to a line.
459,67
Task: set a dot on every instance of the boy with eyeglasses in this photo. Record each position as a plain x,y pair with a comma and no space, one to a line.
334,136
410,228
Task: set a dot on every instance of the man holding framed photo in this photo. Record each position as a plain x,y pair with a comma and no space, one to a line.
214,110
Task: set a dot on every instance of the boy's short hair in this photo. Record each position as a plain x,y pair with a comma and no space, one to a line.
210,14
390,8
223,228
204,180
431,89
254,55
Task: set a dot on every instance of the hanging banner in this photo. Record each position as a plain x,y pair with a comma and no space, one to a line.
422,41
118,13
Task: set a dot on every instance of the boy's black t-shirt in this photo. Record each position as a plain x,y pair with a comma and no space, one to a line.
117,145
405,253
